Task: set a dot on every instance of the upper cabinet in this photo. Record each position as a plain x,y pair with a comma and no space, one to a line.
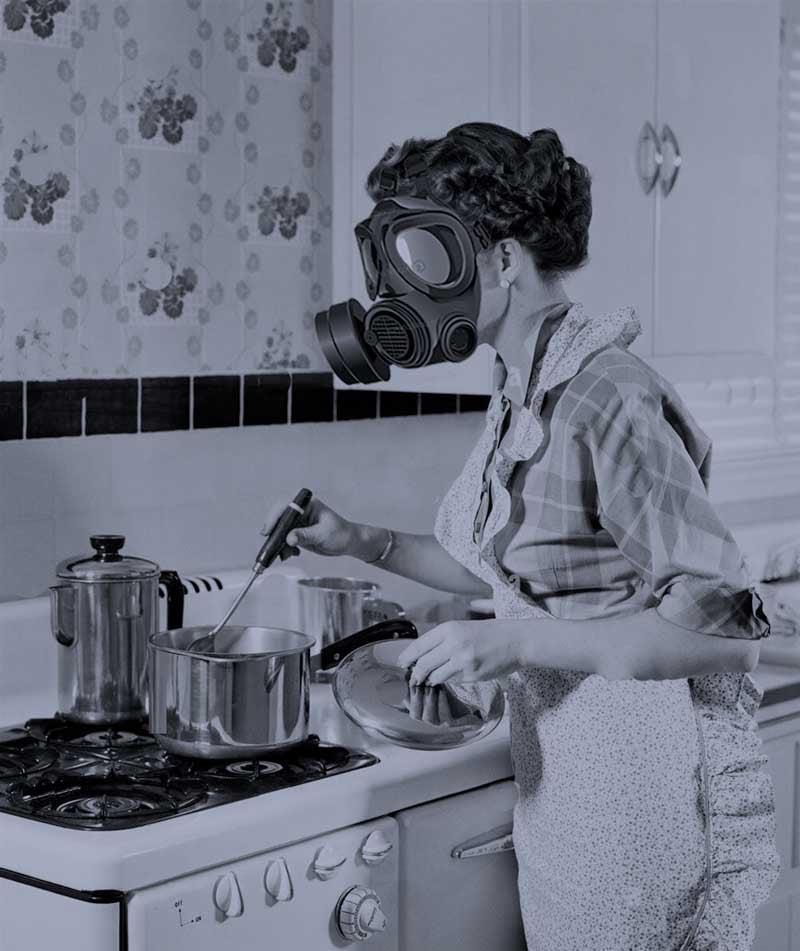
415,68
673,106
717,108
589,72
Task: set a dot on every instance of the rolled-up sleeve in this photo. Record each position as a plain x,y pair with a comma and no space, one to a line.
654,504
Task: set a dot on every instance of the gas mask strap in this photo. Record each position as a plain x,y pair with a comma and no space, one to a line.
411,168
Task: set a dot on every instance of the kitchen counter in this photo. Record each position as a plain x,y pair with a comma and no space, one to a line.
124,859
781,686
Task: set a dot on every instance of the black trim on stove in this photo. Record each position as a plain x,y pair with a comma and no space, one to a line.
101,896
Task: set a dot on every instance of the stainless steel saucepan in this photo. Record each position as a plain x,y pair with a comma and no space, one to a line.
249,693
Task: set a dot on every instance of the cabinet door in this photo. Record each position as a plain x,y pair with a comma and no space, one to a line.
467,903
718,91
777,919
401,70
589,72
774,926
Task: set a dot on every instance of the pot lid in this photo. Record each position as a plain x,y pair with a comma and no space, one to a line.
373,691
106,564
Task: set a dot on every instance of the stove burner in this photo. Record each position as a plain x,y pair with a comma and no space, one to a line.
110,739
252,769
23,762
98,802
98,739
116,776
103,807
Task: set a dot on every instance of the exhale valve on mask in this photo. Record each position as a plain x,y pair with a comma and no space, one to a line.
420,271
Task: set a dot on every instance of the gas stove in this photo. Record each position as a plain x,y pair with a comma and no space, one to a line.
106,778
288,863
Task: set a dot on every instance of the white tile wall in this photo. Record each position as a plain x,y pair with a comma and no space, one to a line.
196,500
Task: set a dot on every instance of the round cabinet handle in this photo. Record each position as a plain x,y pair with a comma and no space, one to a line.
227,896
668,138
648,170
358,914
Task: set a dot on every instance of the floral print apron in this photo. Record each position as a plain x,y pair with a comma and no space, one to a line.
645,817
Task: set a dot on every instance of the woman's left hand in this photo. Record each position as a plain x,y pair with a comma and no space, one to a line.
463,651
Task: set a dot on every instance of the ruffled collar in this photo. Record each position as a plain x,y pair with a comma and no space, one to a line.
576,337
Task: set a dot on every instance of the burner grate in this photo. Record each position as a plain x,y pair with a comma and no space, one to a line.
118,777
92,802
77,737
249,769
24,762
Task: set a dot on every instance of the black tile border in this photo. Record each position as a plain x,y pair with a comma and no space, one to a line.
166,403
216,402
39,409
430,403
312,398
356,404
12,416
266,399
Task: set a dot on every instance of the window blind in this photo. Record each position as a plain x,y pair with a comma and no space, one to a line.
788,276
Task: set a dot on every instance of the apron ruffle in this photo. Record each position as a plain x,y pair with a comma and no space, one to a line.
741,862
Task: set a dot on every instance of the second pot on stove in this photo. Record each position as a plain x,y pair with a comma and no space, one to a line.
248,697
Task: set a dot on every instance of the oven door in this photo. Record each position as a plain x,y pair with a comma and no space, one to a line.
458,873
35,914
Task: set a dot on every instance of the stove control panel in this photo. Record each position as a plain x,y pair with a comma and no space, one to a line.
334,891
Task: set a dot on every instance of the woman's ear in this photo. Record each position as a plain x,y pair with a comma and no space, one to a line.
508,261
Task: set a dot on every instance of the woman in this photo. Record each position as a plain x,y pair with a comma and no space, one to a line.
625,619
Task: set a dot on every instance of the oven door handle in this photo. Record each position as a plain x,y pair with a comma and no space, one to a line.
494,841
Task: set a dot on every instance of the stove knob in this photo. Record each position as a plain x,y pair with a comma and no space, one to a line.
359,915
278,881
375,848
227,897
327,863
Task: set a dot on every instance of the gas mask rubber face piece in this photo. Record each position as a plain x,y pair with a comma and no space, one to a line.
420,269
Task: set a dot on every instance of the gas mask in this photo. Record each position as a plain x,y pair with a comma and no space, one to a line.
420,269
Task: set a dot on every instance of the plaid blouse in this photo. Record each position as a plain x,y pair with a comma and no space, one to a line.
610,515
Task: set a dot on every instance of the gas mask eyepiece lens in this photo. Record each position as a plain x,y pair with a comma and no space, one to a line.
424,254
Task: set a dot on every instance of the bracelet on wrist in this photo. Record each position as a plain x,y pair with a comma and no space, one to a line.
386,550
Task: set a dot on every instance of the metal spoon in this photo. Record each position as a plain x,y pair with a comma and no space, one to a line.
270,550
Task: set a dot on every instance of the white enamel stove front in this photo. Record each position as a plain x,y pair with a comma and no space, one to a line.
339,890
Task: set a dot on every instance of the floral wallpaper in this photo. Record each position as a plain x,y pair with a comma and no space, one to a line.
165,170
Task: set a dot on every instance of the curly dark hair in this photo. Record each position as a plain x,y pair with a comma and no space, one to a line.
516,187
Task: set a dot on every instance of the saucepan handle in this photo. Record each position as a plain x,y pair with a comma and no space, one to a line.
175,595
389,630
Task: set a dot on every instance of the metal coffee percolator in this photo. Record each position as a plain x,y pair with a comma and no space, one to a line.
103,610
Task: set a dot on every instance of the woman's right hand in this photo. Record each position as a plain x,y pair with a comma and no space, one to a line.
321,531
